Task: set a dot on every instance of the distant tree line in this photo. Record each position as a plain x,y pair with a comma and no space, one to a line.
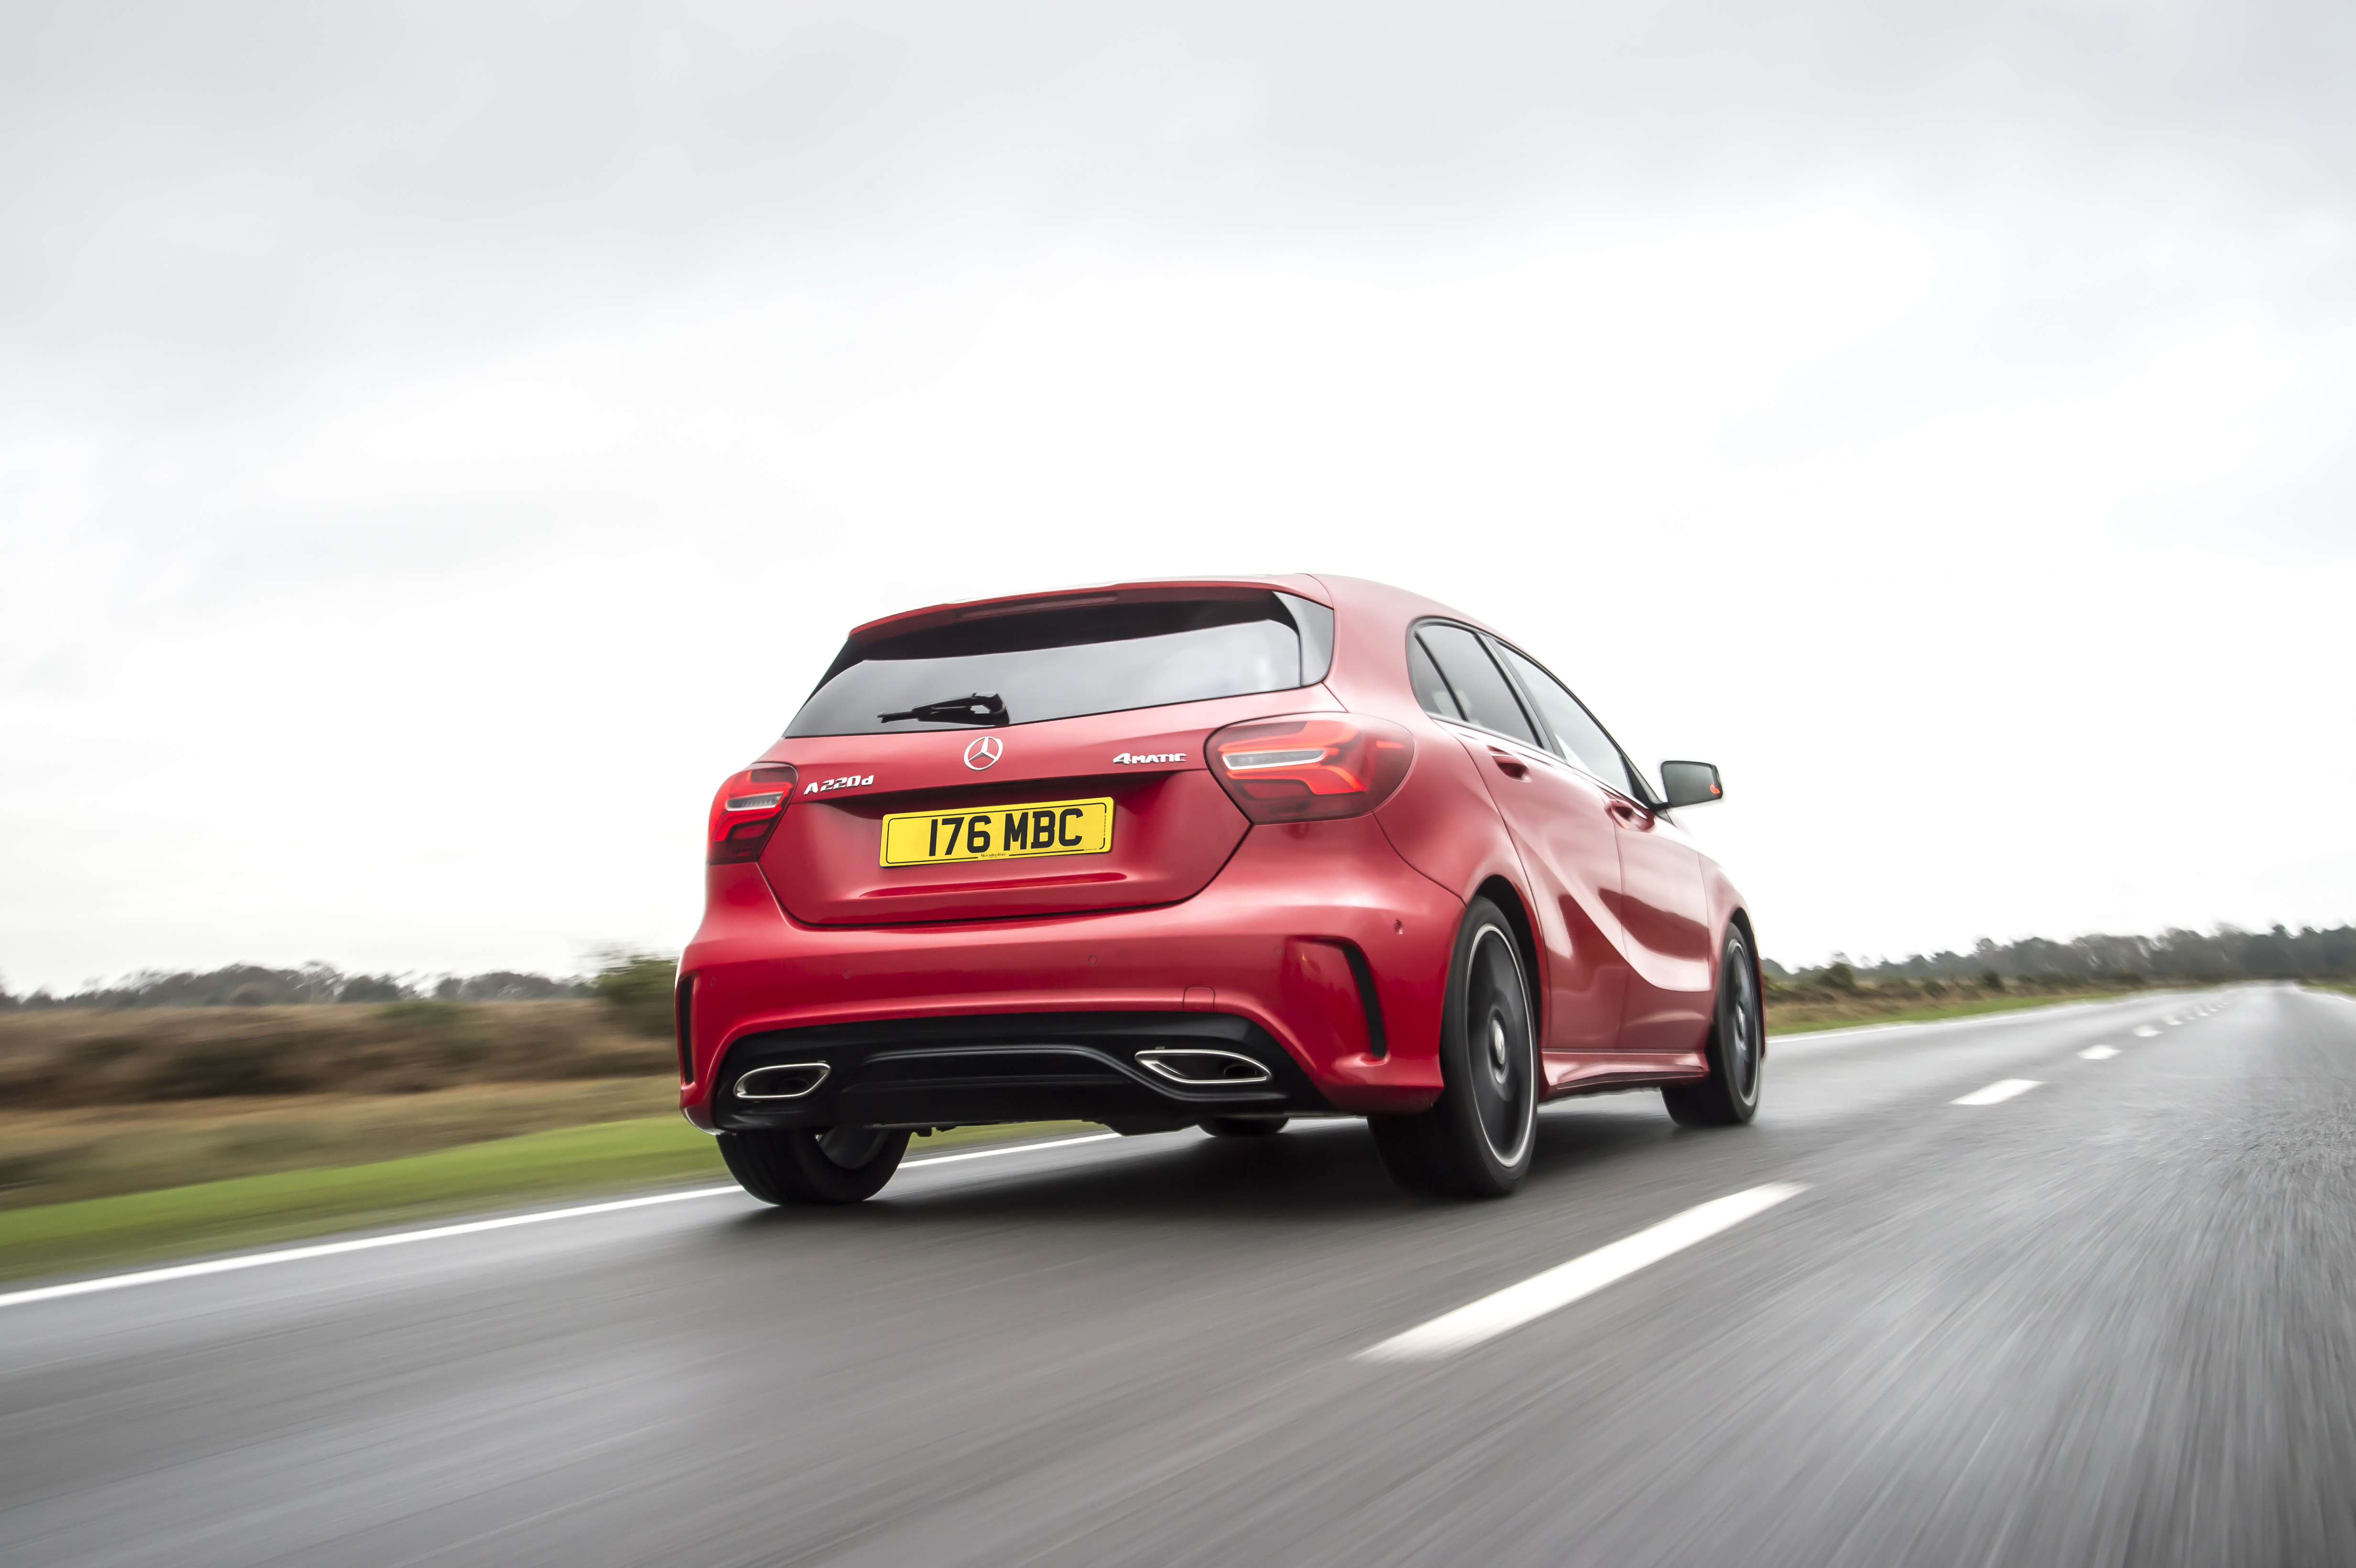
640,982
251,986
2228,953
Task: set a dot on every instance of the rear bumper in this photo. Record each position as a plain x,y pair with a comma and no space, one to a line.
1123,1069
1316,949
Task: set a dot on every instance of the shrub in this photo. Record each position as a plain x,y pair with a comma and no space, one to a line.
636,987
224,1067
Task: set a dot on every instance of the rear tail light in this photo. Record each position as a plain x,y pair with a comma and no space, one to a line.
745,812
1309,769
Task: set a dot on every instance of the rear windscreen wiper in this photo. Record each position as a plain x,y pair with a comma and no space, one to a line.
978,709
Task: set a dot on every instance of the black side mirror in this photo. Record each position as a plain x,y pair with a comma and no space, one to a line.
1690,784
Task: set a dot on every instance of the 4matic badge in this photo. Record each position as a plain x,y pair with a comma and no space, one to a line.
1135,757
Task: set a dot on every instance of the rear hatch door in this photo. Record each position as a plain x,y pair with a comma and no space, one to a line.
926,818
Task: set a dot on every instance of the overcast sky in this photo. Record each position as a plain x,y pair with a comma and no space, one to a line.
438,443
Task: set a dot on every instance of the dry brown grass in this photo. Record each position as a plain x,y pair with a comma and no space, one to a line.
66,1057
101,1101
88,1151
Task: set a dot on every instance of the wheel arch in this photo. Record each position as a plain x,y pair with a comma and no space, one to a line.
1508,899
1739,919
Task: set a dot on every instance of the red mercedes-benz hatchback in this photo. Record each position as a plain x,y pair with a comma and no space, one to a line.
1216,853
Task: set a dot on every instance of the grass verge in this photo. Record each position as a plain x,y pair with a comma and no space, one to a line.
64,1154
284,1206
1932,1014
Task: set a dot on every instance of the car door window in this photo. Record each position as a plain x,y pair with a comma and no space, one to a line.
1473,681
1430,689
1576,735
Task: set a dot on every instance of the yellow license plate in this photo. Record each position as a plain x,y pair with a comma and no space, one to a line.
1002,833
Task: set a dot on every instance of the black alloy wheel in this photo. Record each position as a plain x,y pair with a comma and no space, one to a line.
1737,1048
1244,1126
1475,1141
841,1165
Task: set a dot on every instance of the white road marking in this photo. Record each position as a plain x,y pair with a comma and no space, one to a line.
2099,1052
2145,1032
331,1249
1559,1286
443,1233
2001,1090
1019,1148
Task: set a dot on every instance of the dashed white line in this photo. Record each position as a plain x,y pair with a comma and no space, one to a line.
2099,1052
1565,1283
2001,1090
443,1233
2144,1032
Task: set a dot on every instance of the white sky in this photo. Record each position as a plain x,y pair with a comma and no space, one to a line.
438,442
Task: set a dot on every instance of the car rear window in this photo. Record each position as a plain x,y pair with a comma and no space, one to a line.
1023,667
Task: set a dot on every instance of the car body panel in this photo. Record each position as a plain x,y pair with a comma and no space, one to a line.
1560,824
1671,942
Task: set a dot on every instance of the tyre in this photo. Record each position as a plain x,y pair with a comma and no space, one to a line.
1244,1126
841,1165
1475,1140
1737,1048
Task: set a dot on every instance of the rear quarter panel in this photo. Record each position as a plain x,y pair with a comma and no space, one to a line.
1441,819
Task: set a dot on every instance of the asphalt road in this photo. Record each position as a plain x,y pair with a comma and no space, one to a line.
2108,1319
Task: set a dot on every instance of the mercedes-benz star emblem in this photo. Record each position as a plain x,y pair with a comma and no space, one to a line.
985,749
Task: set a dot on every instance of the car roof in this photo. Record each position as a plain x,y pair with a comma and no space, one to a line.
1352,595
1138,592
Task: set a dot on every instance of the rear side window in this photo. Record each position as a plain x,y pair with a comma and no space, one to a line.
1430,689
1471,680
1576,735
1021,668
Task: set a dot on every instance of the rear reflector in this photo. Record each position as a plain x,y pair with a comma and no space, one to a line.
744,814
1309,769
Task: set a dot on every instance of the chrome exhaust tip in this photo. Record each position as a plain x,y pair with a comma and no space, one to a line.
1199,1067
787,1081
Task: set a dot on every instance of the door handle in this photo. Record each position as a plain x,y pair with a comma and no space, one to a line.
1512,766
